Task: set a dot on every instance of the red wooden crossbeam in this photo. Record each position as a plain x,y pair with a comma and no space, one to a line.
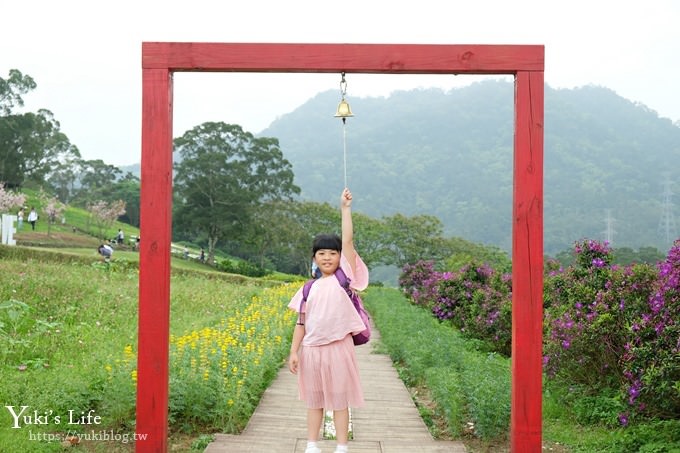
161,59
323,58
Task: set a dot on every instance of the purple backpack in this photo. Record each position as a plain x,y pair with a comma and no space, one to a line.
363,336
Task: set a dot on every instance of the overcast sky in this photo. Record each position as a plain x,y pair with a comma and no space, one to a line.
85,56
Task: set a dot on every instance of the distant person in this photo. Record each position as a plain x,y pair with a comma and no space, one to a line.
20,219
32,218
186,253
120,237
316,272
106,252
202,256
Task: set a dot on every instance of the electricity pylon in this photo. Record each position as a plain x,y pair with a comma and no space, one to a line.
667,227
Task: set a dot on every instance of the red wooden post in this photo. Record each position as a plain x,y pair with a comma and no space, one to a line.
159,60
527,265
154,261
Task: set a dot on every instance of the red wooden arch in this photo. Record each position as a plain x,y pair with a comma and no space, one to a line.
161,59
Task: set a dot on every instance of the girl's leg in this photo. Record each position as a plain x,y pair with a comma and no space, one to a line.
341,421
314,419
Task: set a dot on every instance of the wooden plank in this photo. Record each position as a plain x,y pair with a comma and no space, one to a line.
154,261
359,58
527,265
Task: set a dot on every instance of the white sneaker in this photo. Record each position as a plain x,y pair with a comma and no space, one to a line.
312,450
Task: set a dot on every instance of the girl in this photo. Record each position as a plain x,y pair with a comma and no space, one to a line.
322,351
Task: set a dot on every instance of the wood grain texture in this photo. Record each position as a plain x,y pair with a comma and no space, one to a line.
154,261
527,265
361,58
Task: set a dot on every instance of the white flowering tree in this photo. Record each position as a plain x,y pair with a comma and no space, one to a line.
52,207
103,214
9,200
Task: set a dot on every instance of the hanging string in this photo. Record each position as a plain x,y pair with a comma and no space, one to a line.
344,149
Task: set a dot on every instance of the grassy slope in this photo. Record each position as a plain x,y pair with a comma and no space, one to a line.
77,218
79,236
79,319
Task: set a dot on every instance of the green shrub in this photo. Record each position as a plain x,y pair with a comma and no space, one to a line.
603,408
242,268
471,387
654,437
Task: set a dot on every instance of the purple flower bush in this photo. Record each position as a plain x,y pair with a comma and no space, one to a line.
611,333
652,355
588,309
416,280
476,299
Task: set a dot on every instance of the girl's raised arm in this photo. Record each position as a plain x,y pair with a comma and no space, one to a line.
347,228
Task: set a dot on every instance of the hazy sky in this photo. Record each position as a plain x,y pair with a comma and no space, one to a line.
85,56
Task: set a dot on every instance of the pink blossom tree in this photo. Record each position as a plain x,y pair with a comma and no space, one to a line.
104,214
9,200
53,209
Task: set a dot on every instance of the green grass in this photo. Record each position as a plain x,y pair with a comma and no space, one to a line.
77,218
463,392
471,387
79,236
67,319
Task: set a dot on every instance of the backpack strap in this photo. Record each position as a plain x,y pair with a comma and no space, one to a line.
305,294
343,280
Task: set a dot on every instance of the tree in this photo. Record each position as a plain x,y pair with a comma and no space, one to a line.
310,219
64,176
369,234
12,89
31,145
104,214
464,253
96,179
222,173
9,200
52,207
411,239
127,189
272,237
282,234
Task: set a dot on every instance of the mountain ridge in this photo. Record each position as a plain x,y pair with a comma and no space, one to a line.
449,154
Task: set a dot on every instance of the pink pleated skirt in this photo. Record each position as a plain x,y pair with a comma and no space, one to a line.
328,376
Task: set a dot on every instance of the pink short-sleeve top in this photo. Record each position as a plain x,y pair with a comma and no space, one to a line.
329,312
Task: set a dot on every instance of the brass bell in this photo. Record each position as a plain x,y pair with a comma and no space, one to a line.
344,111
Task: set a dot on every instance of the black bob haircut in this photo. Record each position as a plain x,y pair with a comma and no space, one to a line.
326,241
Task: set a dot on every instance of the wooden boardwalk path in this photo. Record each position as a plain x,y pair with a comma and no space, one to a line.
388,423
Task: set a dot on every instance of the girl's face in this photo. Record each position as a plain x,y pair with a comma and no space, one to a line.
328,260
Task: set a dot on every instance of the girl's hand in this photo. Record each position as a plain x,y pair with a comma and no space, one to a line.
346,198
293,362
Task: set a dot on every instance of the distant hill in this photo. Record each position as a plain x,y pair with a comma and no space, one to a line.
450,154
